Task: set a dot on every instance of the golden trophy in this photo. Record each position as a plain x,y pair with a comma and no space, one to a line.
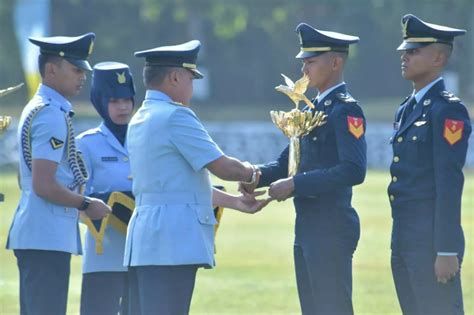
6,120
295,123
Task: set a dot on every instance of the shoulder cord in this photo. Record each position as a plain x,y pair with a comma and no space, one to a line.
75,160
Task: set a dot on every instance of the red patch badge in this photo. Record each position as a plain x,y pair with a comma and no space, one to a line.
356,126
453,130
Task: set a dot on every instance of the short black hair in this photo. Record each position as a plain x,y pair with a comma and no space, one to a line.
155,75
44,59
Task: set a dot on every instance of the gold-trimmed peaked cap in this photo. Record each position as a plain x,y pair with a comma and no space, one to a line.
315,42
76,49
418,33
183,55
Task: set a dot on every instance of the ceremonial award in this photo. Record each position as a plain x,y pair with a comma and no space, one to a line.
6,120
295,123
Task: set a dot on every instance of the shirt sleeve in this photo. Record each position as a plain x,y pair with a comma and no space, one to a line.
48,135
451,130
192,140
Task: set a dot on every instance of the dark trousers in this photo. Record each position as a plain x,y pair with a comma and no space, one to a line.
324,245
418,290
104,293
44,281
163,290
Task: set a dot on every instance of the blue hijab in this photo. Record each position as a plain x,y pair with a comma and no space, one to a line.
111,80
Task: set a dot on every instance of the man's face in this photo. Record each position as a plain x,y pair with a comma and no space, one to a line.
68,78
186,78
417,63
319,69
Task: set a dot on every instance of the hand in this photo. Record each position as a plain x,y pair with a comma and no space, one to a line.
249,204
97,209
446,268
249,188
282,189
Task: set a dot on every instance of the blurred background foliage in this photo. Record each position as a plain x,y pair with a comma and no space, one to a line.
248,43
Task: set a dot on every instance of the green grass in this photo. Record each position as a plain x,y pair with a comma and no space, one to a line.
254,273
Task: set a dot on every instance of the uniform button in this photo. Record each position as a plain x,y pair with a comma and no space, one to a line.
315,138
392,197
394,179
414,138
396,159
207,218
399,139
125,159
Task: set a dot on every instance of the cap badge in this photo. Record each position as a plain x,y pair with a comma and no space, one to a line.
121,79
404,28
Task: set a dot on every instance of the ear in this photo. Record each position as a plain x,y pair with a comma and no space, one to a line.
173,77
337,62
50,69
440,59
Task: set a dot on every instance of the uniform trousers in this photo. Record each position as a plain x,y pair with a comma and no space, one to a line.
104,293
44,281
413,258
164,290
324,245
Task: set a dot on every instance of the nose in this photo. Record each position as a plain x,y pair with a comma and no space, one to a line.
403,56
303,68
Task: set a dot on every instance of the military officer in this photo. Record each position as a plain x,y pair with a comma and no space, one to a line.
44,232
333,159
171,232
429,144
104,279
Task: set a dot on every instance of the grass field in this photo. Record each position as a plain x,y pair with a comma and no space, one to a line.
254,273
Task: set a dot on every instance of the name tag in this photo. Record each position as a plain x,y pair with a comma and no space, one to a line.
109,159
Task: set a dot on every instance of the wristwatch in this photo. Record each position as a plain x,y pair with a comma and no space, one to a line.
85,203
254,176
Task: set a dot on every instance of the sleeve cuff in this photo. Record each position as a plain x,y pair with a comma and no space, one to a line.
447,254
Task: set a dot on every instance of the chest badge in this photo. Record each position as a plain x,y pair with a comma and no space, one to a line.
327,102
453,130
355,126
56,143
426,102
420,123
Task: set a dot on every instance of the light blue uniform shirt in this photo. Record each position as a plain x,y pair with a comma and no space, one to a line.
173,222
37,223
109,169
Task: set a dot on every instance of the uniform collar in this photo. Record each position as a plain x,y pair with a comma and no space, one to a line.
54,98
112,139
157,95
321,96
421,93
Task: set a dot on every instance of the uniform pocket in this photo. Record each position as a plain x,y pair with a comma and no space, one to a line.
65,212
205,214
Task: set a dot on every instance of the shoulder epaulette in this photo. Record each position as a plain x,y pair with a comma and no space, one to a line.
89,132
450,97
345,98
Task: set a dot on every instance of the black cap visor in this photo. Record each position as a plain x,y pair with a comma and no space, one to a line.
81,64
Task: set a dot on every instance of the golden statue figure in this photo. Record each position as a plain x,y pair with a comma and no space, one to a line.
6,120
295,123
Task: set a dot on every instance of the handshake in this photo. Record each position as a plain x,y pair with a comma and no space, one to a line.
279,190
